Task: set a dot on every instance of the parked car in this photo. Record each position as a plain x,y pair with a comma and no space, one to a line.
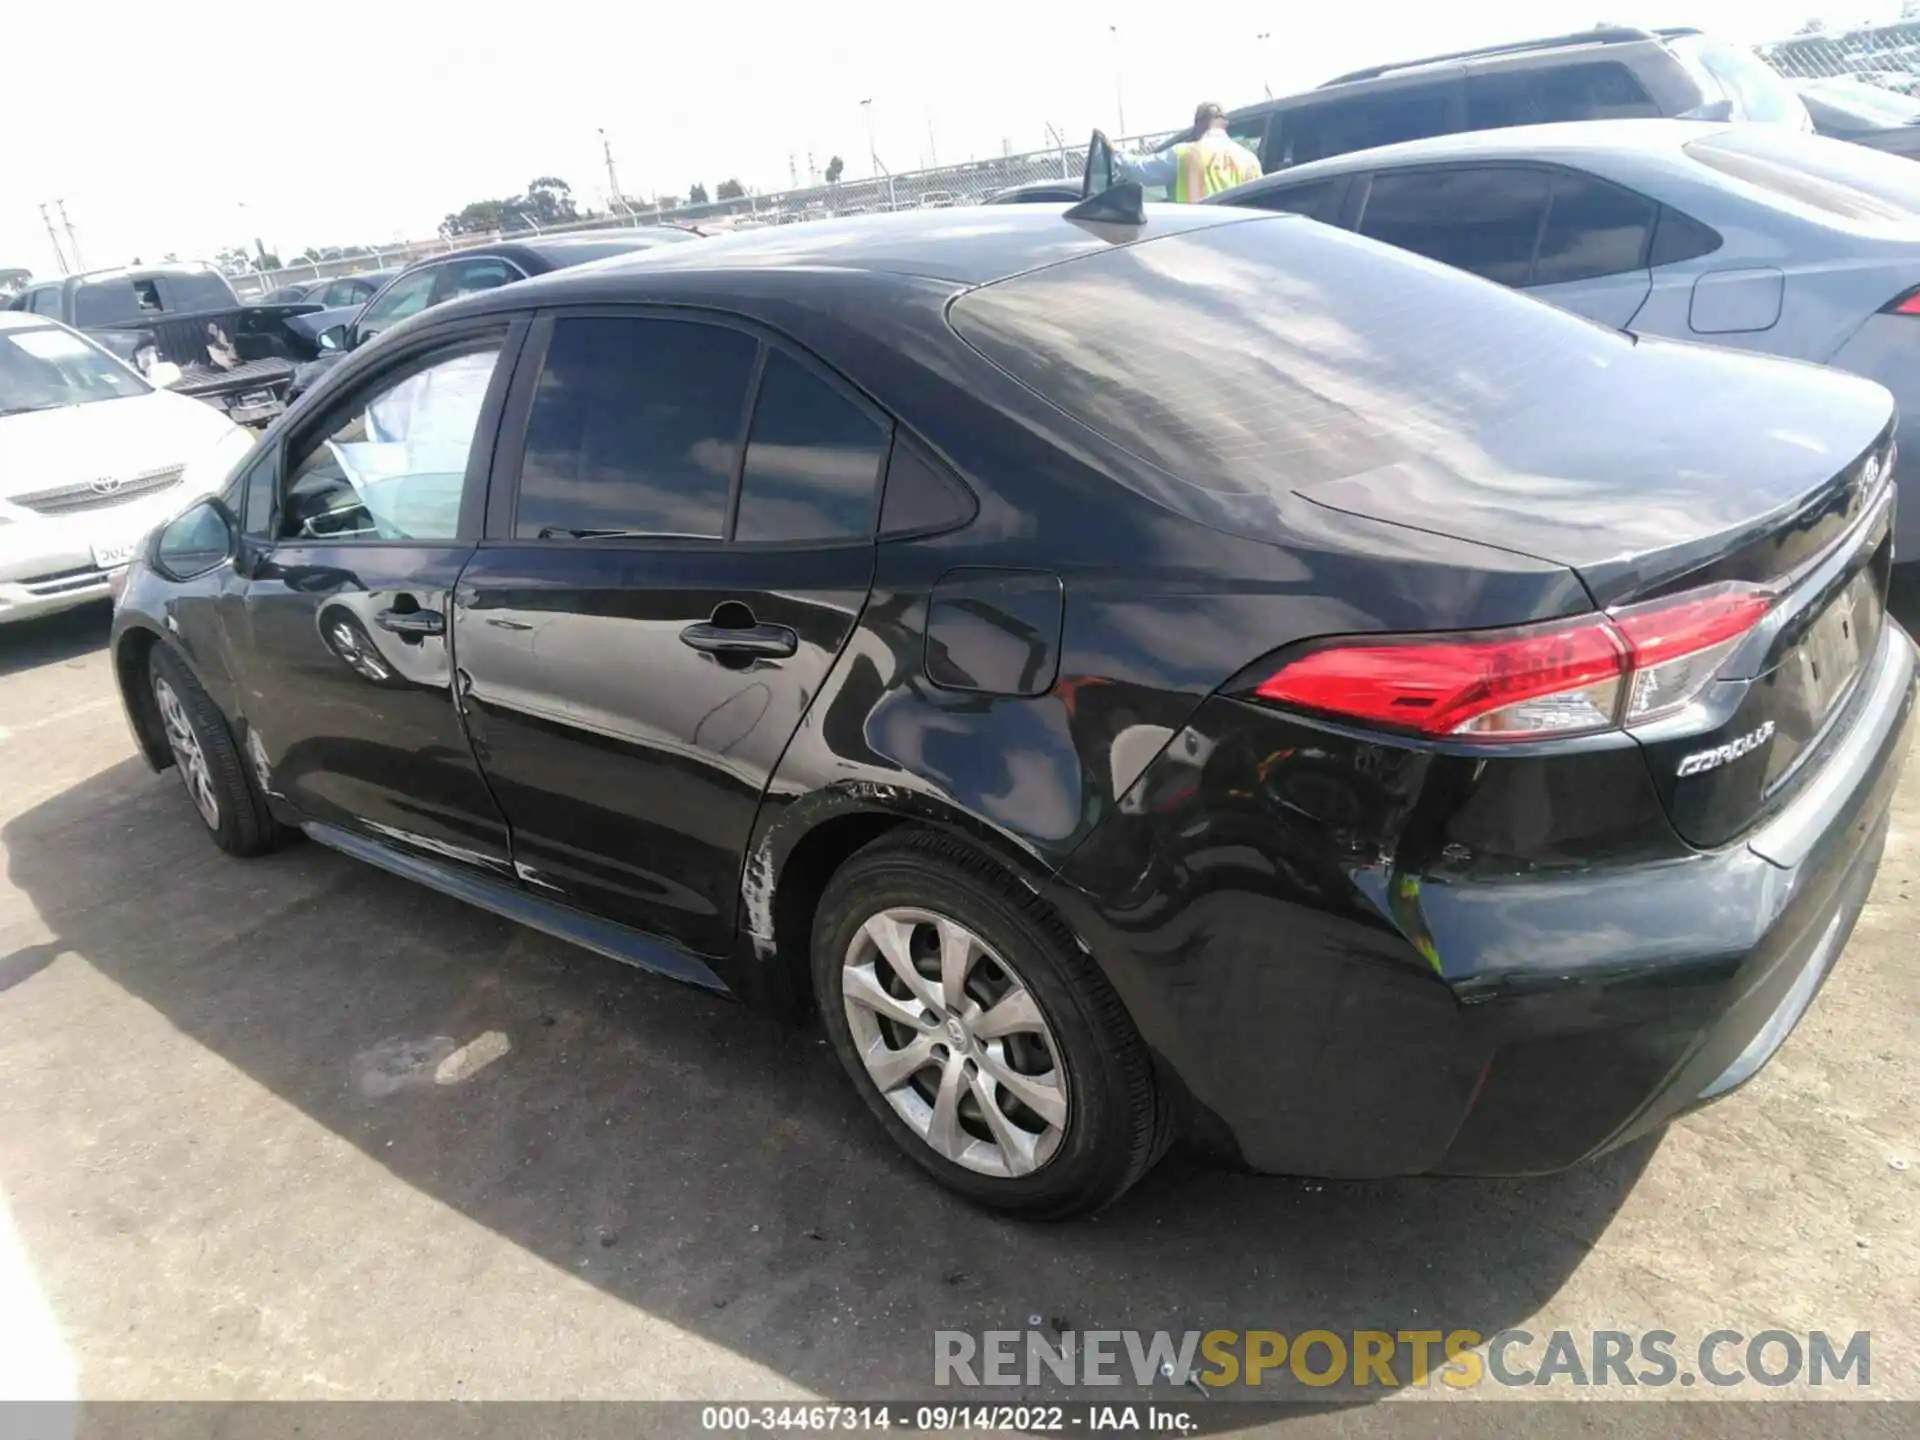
238,358
1232,679
341,301
1869,115
335,293
448,277
92,456
1750,236
1602,74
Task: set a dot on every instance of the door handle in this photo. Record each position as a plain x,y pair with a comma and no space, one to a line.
412,622
772,642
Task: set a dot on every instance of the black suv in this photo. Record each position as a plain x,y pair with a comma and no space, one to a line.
1602,74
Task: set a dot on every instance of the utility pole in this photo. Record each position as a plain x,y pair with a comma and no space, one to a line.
54,236
933,151
614,198
1119,101
873,150
73,240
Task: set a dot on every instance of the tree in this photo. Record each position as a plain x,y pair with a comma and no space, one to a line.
729,190
548,201
836,167
697,195
1815,26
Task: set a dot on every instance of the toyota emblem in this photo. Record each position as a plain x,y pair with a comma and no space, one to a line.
106,485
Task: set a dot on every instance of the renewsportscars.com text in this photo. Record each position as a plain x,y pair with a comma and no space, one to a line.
1460,1359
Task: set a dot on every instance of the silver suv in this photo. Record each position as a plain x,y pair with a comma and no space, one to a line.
1608,73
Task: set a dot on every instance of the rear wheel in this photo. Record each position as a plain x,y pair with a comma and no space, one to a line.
989,1046
208,764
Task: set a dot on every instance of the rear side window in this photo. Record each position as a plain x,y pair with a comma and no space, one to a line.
1547,94
1680,237
1485,220
1317,199
46,302
470,277
1593,229
1830,178
193,292
635,429
109,302
813,460
1336,127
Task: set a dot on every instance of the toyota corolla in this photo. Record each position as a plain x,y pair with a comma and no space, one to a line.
1213,676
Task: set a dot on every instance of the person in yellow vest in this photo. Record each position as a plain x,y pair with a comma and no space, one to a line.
1205,163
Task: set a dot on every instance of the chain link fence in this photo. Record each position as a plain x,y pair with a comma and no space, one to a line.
968,183
1883,55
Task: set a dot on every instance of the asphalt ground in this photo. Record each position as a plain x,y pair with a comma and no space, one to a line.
295,1129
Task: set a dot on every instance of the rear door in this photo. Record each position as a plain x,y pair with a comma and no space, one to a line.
347,672
679,541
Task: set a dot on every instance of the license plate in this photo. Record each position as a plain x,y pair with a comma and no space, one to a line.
1836,646
112,557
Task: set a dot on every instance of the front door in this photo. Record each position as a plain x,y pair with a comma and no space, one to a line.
680,542
350,710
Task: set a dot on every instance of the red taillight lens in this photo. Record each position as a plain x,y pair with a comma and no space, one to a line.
1907,304
1566,677
1562,678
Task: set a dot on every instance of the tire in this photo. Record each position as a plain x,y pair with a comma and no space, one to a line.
1044,1107
210,768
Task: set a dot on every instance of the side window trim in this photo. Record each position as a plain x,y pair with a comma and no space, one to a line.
443,342
744,436
503,491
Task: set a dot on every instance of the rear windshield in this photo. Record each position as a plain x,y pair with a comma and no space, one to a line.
1259,356
1829,178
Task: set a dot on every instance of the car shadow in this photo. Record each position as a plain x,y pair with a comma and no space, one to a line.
50,639
704,1164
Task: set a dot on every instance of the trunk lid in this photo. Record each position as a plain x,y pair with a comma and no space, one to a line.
1651,471
1727,467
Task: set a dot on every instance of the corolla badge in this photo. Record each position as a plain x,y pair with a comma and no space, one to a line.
1702,761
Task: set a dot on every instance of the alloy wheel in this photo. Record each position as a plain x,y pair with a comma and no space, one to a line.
955,1042
188,756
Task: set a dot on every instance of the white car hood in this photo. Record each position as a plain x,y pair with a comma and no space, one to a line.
115,439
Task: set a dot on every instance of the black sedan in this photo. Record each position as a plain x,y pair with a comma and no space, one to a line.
1214,677
435,281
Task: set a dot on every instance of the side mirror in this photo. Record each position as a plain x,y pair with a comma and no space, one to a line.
1097,177
163,374
197,540
334,337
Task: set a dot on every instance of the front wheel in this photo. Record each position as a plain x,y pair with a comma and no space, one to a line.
209,766
987,1044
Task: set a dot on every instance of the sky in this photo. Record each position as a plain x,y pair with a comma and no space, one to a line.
188,126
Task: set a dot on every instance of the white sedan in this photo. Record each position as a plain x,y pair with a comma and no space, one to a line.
92,457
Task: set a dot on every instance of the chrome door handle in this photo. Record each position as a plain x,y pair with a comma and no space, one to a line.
773,642
412,622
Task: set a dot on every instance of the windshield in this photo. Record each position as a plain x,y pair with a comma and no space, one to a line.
47,368
1828,178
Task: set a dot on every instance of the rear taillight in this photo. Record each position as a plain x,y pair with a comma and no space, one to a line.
1907,304
1565,677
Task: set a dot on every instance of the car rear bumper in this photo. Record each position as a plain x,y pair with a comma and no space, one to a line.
1507,1026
